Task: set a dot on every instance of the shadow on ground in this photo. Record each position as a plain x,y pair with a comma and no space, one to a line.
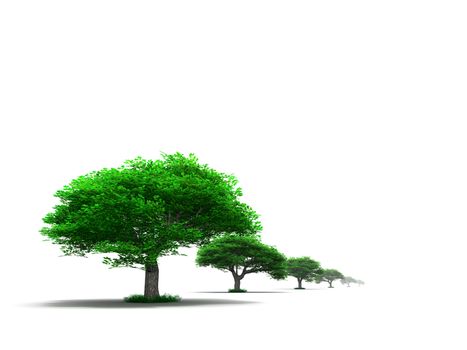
248,292
282,290
119,303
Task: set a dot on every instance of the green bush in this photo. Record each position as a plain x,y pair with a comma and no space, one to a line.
237,290
138,298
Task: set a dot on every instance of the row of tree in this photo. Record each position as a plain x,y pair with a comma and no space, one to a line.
242,255
146,209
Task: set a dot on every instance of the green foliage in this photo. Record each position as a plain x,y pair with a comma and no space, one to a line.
328,275
138,298
303,268
237,290
146,209
242,252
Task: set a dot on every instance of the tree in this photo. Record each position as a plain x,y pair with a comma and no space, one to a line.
146,209
360,283
329,275
303,268
242,255
347,280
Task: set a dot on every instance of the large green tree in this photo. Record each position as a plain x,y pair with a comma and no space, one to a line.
303,268
329,276
146,209
242,255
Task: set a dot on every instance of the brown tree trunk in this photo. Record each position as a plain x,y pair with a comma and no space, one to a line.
151,281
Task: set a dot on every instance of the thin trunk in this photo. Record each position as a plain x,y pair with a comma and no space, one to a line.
299,283
330,284
237,280
151,282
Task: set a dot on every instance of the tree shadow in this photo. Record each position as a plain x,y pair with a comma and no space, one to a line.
120,304
247,292
306,288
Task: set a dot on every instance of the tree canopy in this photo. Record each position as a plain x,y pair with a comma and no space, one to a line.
146,209
329,276
347,280
242,255
303,268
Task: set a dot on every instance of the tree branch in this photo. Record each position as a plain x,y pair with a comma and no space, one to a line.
192,218
254,270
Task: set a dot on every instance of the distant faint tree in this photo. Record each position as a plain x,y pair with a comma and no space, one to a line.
303,268
360,283
347,280
329,276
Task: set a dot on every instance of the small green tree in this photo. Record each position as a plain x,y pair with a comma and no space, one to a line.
347,280
303,268
146,209
329,276
242,255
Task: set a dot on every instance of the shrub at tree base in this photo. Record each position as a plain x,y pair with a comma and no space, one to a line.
166,298
237,290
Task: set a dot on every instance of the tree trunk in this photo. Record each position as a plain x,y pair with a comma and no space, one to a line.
151,282
237,280
330,284
299,283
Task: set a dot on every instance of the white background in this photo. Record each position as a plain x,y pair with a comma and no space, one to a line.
343,120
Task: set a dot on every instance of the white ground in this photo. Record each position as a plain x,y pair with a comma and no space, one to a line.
345,122
356,318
